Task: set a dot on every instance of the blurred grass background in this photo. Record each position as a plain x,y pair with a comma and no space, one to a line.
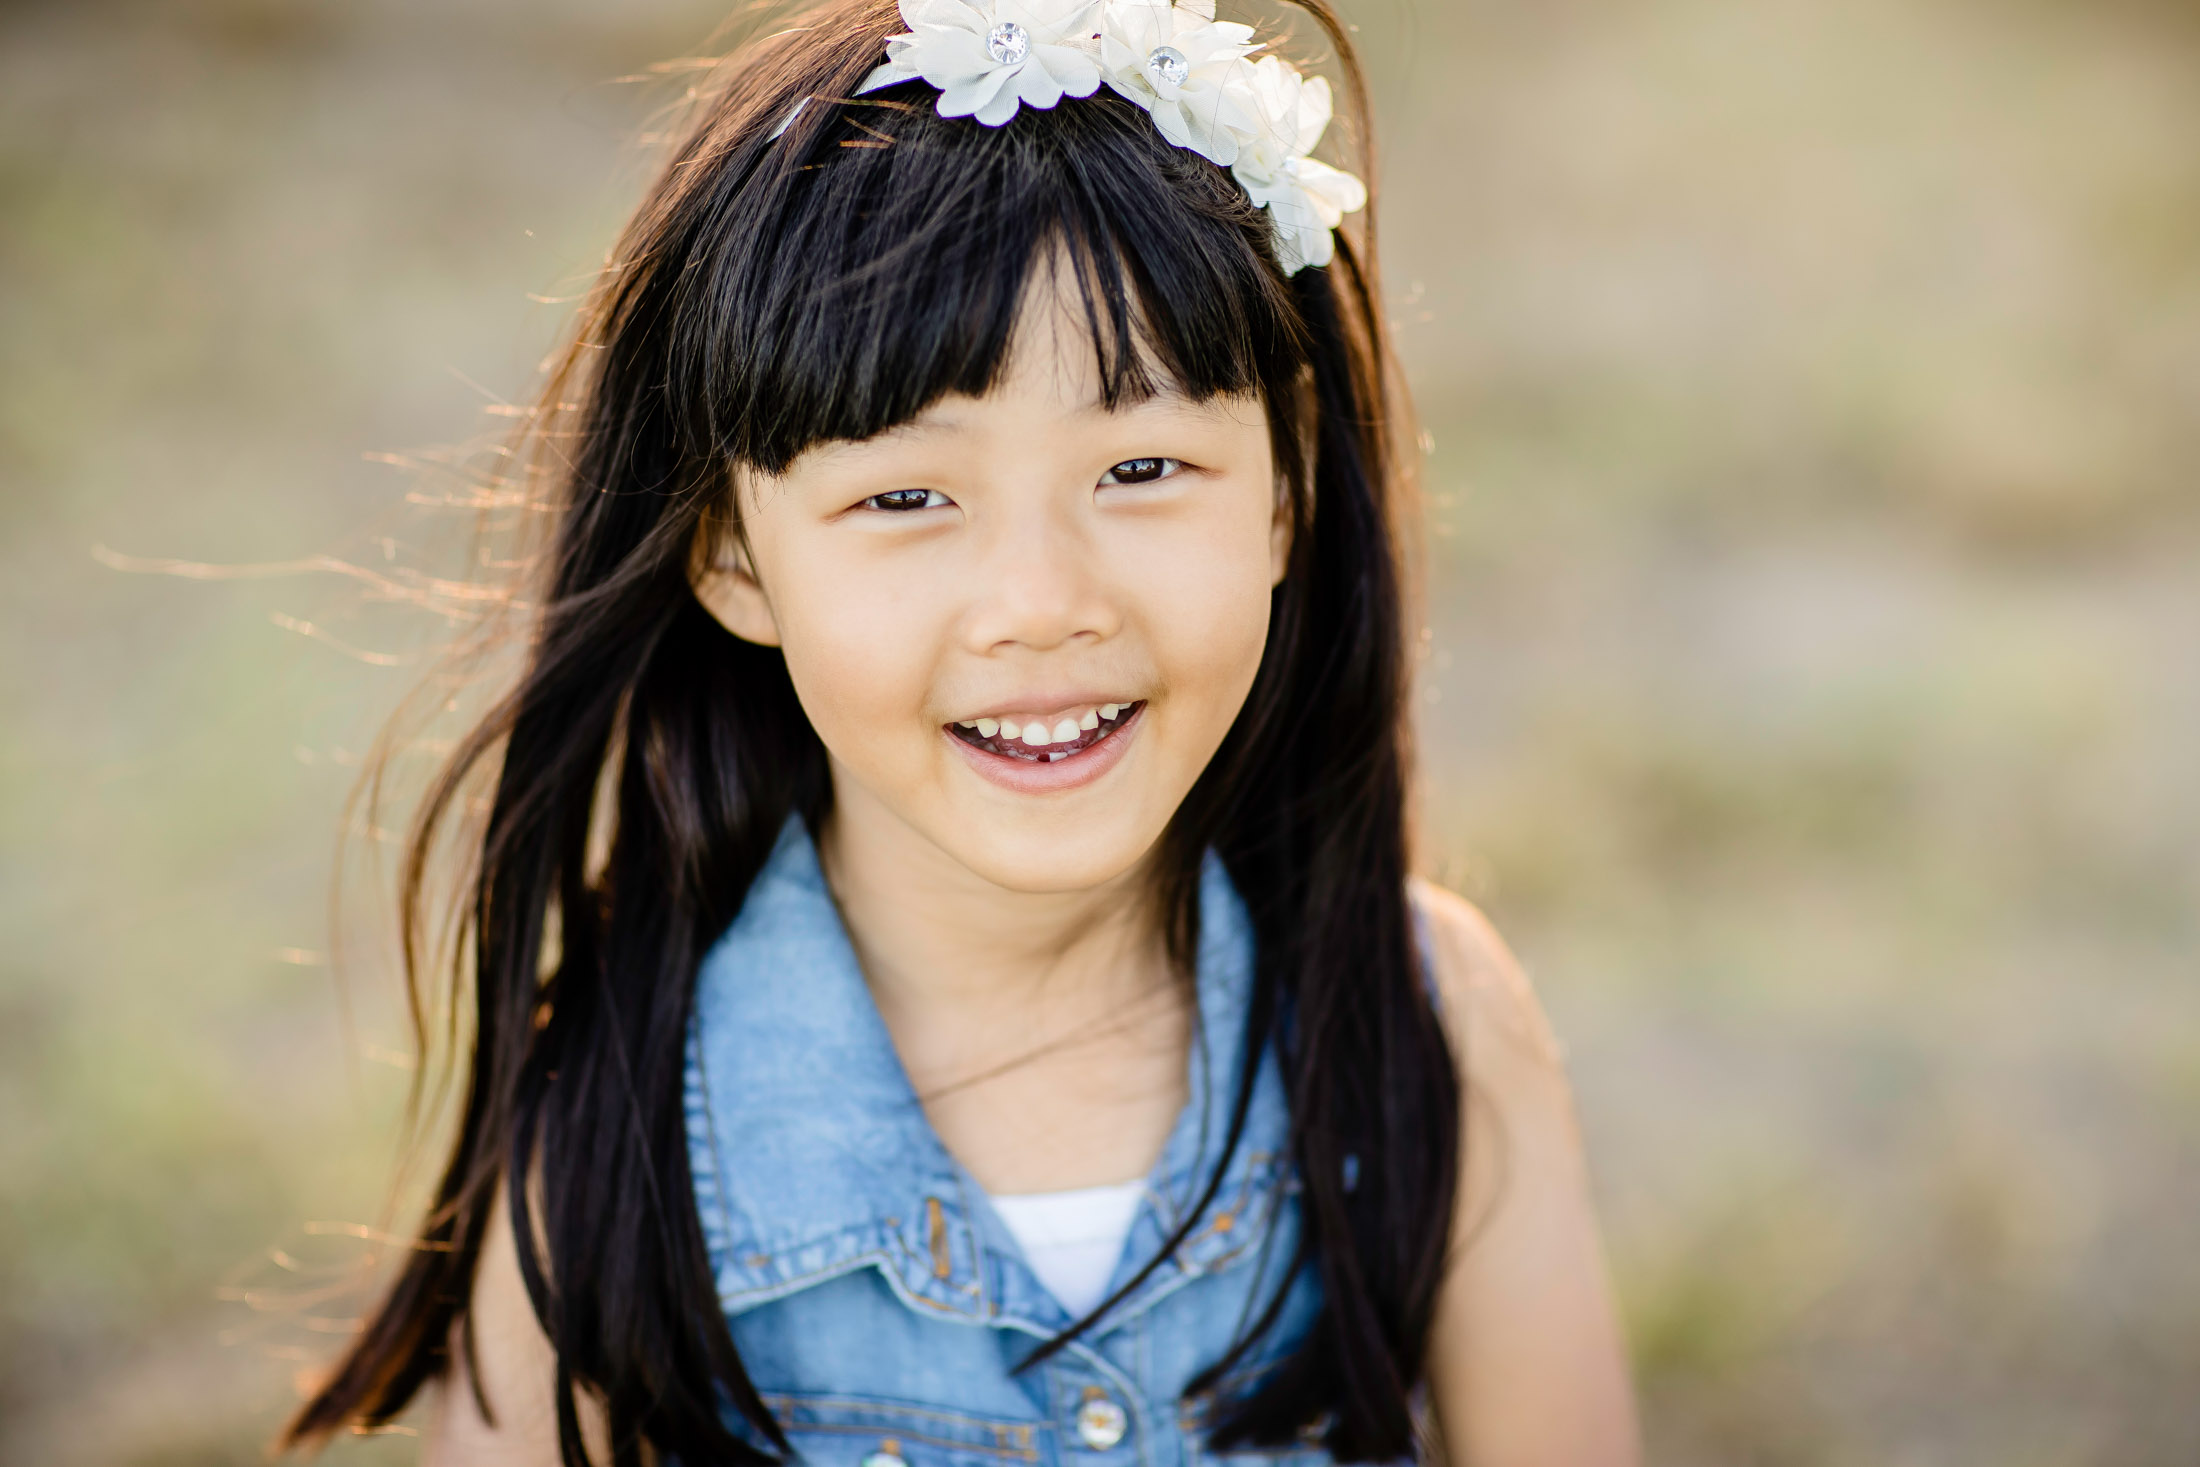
1813,679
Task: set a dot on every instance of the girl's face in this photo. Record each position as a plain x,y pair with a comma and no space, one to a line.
1021,623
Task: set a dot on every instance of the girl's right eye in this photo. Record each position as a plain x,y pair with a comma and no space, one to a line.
901,500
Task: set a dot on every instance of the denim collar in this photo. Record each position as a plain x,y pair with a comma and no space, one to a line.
812,1157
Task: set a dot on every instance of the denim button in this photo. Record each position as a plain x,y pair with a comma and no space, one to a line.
1100,1422
887,1455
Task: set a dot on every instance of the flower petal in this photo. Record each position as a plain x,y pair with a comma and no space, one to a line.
1001,106
965,99
1218,122
1315,247
1313,113
958,14
792,113
1333,192
1071,69
1168,120
1127,86
1119,53
885,76
1055,22
948,57
1036,87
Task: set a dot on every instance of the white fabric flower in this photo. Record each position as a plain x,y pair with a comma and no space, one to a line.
1305,198
988,57
1176,61
1190,72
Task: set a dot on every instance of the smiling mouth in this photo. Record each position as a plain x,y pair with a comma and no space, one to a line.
1046,740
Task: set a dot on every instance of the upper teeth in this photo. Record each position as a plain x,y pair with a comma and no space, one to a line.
1037,733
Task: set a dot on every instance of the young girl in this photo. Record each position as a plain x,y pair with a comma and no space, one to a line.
946,987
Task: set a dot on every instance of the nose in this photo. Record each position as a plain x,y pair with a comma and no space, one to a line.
1041,584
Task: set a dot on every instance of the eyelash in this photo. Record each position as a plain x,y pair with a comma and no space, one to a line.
907,501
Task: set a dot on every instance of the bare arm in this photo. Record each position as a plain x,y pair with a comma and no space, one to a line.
1526,1364
518,1374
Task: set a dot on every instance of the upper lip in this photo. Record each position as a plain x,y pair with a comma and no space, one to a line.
1049,707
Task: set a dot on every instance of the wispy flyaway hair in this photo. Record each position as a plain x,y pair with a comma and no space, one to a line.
772,294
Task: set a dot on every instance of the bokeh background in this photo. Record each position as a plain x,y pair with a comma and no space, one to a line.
1812,685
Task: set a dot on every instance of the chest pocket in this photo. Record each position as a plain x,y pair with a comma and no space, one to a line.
852,1431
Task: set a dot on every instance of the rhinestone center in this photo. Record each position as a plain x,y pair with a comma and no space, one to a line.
1008,43
1167,66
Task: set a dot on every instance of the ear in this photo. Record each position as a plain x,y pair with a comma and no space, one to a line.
725,582
1279,534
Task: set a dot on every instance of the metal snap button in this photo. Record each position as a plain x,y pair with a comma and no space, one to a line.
887,1455
1100,1421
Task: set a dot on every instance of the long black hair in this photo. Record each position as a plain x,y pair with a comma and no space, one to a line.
828,283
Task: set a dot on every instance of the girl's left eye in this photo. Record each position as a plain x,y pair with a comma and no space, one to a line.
1141,471
894,500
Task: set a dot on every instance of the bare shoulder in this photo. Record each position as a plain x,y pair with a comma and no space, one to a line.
1525,1361
1490,1008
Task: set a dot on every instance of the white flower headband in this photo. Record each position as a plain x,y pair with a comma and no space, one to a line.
1194,74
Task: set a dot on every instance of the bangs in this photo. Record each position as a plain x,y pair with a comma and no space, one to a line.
876,257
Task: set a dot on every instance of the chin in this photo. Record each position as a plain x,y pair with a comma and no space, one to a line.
1046,856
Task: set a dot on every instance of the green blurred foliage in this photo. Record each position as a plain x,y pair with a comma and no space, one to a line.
1810,677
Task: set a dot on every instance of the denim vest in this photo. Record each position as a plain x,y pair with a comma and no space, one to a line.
879,1304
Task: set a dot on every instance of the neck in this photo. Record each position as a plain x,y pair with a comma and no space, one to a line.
968,973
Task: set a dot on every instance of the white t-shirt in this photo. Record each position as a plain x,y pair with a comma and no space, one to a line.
1074,1238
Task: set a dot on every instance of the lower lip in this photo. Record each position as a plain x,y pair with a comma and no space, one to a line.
1043,776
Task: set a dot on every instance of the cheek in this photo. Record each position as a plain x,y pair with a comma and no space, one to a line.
1205,603
861,650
